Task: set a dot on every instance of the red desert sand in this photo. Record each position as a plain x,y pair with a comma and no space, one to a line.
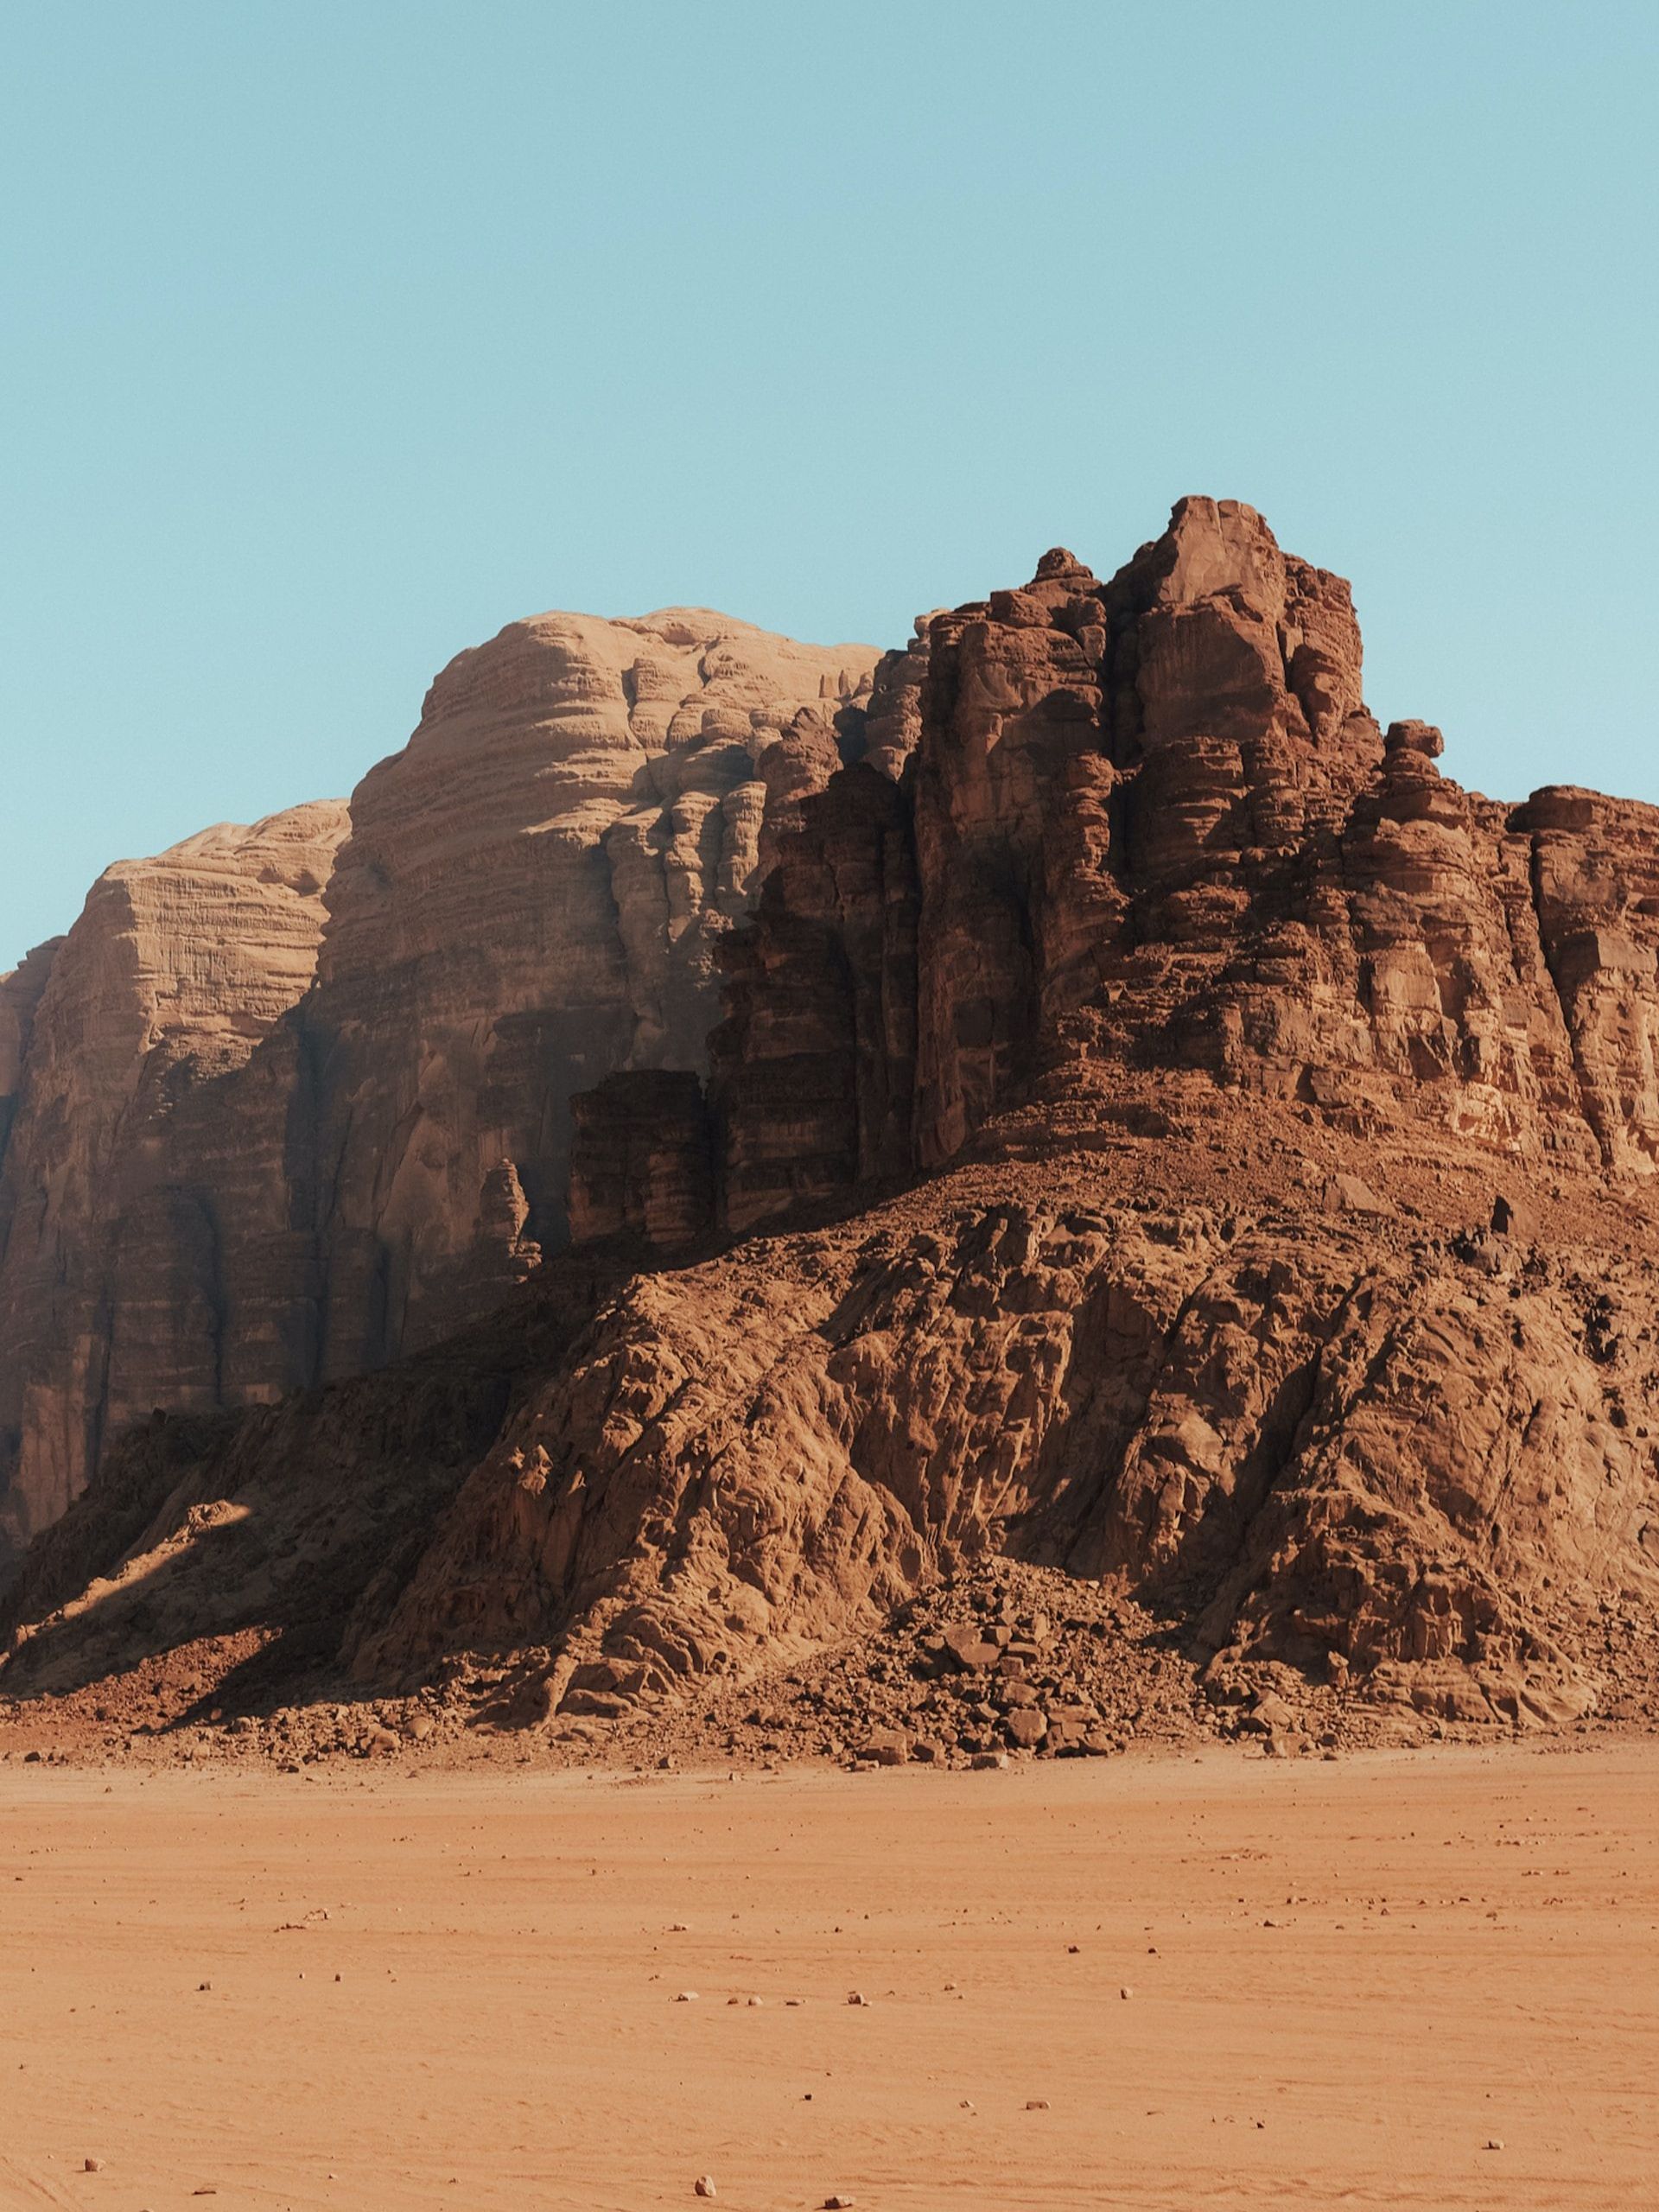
1423,1979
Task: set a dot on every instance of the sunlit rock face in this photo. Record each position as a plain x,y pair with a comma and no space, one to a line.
290,1100
147,1255
1160,1128
1150,823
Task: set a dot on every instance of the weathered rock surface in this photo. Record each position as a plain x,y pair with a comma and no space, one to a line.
19,994
1167,1134
247,1545
1351,1450
642,1161
815,1068
145,1242
532,898
1368,1457
1150,823
289,1102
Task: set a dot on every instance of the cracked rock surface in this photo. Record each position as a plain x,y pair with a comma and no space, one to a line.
1173,1165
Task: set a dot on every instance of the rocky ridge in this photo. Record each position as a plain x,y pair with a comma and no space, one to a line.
1163,1134
289,1102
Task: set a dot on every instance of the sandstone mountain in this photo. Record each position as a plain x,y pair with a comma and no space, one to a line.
288,1102
1160,1130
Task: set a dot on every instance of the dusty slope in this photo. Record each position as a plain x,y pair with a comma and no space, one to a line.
1348,1981
1411,1545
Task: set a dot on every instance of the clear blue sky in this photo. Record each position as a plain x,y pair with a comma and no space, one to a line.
335,336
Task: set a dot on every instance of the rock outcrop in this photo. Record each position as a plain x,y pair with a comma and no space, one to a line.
1148,824
1163,1131
290,1101
19,994
146,1248
532,897
1337,1446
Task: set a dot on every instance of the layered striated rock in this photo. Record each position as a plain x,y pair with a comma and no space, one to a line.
1150,823
295,1100
642,1161
814,1069
19,994
831,867
1203,1148
1319,1440
147,1254
532,898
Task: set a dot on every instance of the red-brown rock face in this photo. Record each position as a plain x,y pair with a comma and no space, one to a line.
1335,1443
1150,823
290,1101
814,1069
19,994
641,1160
1225,1146
146,1252
532,898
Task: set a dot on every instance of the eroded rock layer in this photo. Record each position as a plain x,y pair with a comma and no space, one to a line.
288,1101
147,1252
1150,822
532,898
1333,1439
1163,1131
1323,1441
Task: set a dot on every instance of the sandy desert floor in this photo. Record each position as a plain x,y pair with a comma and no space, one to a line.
1408,1979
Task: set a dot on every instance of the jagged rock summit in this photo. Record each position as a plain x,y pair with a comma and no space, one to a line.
1161,1130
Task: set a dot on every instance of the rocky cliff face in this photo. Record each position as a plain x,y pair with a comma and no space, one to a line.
289,1102
531,897
19,994
1150,823
1162,1129
1337,1444
145,1242
1137,864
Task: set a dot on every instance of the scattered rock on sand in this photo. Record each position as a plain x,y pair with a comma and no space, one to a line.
886,1746
1027,1727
